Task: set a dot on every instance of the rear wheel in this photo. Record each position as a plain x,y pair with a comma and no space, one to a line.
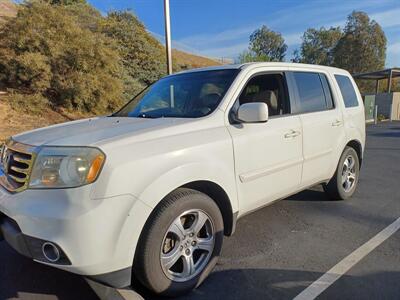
180,244
343,184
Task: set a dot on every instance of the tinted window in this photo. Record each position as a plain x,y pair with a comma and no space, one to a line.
311,92
327,91
267,88
186,95
346,88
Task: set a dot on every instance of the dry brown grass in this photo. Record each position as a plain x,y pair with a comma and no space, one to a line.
7,9
192,60
13,122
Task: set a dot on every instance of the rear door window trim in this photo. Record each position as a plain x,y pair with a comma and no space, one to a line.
296,97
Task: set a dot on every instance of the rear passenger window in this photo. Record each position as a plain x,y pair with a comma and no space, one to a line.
311,92
347,89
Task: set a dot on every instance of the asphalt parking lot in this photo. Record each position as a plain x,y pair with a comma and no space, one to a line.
282,249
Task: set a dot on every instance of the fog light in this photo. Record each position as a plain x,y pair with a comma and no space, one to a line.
51,252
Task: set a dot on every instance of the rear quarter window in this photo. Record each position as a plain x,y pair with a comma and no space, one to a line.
347,90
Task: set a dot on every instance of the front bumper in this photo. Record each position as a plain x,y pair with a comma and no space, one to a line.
10,232
26,245
98,237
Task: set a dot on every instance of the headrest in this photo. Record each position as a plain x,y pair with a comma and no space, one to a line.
268,97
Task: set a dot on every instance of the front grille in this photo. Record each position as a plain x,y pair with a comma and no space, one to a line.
16,164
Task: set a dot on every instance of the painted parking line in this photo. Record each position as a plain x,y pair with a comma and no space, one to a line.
326,280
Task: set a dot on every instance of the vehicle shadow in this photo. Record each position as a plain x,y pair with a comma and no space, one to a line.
21,278
315,193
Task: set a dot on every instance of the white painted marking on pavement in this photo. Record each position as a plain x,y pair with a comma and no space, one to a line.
326,280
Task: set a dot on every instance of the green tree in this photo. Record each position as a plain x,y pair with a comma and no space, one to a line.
66,2
142,55
317,46
248,56
46,50
363,45
265,43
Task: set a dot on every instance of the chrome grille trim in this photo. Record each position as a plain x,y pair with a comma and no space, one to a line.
20,159
16,164
19,170
17,179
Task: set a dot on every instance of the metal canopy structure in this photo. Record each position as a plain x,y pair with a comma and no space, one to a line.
379,75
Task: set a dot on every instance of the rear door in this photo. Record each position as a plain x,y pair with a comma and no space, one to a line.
322,124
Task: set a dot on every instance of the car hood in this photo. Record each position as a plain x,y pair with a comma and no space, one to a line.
95,131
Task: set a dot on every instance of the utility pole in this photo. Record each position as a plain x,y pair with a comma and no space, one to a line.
168,36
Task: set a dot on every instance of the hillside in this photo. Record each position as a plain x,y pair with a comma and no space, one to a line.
192,60
183,59
7,9
13,122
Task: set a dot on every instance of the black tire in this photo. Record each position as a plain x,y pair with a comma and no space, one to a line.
147,266
335,188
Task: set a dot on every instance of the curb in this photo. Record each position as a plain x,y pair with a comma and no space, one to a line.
108,293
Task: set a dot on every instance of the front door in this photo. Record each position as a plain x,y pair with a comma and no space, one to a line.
268,156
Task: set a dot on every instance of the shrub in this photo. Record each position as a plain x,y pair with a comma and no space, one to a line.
46,50
33,104
381,117
32,72
142,55
66,51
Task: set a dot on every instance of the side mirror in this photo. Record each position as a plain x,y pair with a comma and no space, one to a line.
255,112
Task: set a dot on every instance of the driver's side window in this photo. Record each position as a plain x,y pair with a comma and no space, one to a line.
270,89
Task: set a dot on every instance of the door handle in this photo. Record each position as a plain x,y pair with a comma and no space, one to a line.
337,123
292,134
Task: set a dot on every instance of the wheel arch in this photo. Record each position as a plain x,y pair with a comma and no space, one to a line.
217,183
221,198
356,145
217,194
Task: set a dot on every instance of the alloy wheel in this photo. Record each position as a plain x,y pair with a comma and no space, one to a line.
349,173
187,246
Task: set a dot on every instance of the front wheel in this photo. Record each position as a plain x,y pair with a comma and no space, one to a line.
343,184
180,244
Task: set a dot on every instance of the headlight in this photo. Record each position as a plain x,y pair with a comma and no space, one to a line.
66,167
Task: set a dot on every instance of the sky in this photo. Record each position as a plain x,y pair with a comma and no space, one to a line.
221,28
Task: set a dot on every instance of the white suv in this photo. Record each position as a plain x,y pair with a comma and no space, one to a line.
149,192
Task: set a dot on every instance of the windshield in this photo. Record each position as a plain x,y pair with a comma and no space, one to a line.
187,95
